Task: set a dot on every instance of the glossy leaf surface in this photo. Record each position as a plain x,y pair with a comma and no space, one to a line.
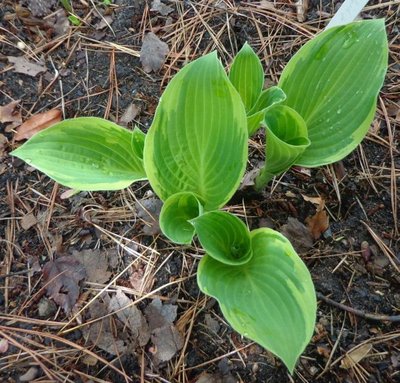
175,215
287,139
247,75
270,299
198,140
224,237
333,82
87,153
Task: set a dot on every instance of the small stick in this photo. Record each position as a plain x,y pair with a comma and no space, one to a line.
360,313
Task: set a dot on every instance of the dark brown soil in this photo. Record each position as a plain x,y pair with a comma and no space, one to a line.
349,263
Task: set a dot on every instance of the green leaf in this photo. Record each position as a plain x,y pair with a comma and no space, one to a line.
270,299
74,20
175,215
198,140
224,237
87,153
247,75
268,97
333,82
287,139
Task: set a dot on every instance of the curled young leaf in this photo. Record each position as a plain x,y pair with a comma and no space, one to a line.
270,299
87,153
247,75
224,237
175,215
268,98
333,82
198,140
286,140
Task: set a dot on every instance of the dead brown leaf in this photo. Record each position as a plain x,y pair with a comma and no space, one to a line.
163,9
139,282
318,223
160,315
24,66
131,316
298,234
164,335
314,200
355,356
40,7
37,123
62,277
153,53
104,22
60,23
9,113
129,115
167,341
100,333
95,263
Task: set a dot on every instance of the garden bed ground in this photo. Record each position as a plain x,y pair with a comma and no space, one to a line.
172,332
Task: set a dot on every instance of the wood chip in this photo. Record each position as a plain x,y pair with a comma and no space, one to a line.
355,356
301,8
28,221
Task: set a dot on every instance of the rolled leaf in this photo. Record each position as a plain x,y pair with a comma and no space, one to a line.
175,215
268,97
333,82
247,75
198,140
87,153
286,134
224,237
270,299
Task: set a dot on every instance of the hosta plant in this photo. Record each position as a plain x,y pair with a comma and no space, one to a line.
194,157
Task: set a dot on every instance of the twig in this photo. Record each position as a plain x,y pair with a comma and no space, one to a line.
360,313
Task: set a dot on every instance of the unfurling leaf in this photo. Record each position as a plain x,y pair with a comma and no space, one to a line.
270,299
224,237
175,215
333,82
287,139
87,153
197,142
268,98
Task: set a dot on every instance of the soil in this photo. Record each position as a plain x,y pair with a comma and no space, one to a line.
355,262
